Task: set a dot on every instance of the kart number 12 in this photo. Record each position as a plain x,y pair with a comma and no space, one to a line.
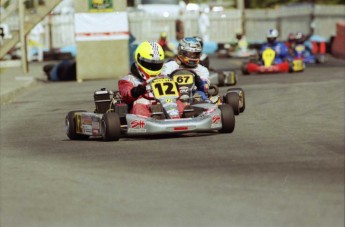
164,88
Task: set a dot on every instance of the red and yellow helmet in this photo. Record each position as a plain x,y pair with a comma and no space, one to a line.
149,59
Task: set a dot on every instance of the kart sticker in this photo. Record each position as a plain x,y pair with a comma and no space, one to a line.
96,132
184,79
137,124
298,65
78,123
164,87
87,129
268,56
86,120
216,119
300,48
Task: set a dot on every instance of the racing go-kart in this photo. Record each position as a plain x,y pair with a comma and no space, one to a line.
266,65
112,119
300,52
228,50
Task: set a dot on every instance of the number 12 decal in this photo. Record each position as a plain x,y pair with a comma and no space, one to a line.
163,87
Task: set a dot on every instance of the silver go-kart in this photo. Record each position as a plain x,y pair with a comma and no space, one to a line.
112,119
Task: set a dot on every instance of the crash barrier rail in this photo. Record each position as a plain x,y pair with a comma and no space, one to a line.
60,27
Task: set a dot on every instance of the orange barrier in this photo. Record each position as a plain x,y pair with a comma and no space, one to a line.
338,46
319,47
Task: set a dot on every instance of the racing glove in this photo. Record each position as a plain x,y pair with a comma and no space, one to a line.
138,90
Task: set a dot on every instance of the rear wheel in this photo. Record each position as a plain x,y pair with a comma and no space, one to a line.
233,99
71,126
111,126
228,118
231,78
244,69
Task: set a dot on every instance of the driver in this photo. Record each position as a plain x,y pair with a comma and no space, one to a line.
302,39
188,57
241,41
148,63
163,42
279,47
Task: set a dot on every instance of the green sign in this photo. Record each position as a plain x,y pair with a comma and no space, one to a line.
101,5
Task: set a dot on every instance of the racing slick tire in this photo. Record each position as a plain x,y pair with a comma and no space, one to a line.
244,69
228,118
231,79
221,79
320,59
213,90
70,122
242,97
110,126
291,70
233,99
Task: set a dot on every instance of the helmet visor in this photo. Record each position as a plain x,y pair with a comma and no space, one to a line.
271,40
192,55
153,65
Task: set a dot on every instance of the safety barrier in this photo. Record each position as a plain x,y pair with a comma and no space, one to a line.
338,46
60,28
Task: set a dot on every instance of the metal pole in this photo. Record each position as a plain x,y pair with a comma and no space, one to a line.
240,6
22,37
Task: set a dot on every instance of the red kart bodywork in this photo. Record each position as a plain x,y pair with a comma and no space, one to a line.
257,68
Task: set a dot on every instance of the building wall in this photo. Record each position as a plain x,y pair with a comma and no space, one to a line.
101,59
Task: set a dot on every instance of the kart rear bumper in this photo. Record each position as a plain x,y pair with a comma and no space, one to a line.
257,68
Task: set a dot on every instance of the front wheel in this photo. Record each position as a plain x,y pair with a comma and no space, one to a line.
111,126
233,99
228,118
241,94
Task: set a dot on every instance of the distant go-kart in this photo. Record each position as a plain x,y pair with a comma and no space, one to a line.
112,119
267,65
300,52
225,78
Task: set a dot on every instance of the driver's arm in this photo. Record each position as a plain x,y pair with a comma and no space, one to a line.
128,91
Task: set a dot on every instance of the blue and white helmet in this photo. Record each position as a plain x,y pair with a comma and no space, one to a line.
189,51
272,33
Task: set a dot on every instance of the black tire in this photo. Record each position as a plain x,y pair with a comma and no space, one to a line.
228,118
71,126
243,100
244,69
233,99
291,70
111,126
221,79
213,90
320,59
232,79
242,96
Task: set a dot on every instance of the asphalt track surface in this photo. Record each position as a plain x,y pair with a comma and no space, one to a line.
282,166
